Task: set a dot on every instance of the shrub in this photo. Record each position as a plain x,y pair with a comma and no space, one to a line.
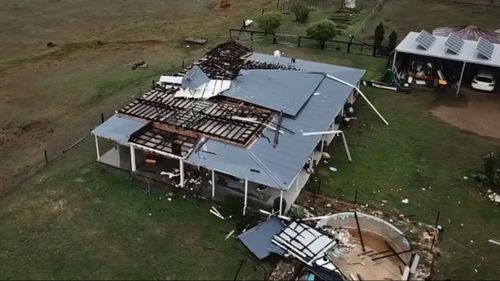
322,31
393,40
300,10
379,34
269,22
491,169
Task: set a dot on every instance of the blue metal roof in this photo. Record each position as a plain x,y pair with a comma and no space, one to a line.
194,78
118,128
278,166
257,87
258,239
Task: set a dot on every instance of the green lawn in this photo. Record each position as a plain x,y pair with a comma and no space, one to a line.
74,221
415,151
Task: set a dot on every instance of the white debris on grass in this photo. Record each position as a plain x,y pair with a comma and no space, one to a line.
405,201
333,169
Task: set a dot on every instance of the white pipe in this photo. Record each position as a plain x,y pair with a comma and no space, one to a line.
281,202
213,184
344,140
132,158
306,134
181,168
361,93
97,148
245,198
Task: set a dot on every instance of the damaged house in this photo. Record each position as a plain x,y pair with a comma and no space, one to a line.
235,123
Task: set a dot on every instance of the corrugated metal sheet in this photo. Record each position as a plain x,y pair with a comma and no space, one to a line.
277,167
438,49
255,86
194,78
118,128
258,239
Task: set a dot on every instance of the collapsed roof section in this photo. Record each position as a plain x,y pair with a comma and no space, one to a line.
225,120
253,129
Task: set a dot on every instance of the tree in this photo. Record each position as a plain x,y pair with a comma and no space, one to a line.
393,40
269,21
379,35
300,10
491,169
321,31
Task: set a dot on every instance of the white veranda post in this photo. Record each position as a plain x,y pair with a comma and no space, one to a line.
245,198
213,184
181,168
133,164
281,202
97,148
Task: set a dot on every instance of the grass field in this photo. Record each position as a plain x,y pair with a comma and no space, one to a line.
72,221
50,97
416,152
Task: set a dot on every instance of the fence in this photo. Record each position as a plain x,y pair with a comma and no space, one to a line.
305,41
488,3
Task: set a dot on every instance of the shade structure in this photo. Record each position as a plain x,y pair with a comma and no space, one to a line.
470,32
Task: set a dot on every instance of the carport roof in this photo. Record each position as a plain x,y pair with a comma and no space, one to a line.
438,49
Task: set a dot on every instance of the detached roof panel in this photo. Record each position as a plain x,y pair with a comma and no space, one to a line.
118,128
278,90
258,239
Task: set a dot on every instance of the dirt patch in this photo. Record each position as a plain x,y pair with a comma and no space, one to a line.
476,113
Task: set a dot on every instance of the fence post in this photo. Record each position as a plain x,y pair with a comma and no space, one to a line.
274,38
102,118
230,34
298,42
374,50
348,48
46,157
251,35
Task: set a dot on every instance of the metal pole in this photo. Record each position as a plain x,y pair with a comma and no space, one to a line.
213,184
394,60
437,218
361,93
359,231
181,168
281,202
245,198
346,147
132,158
459,85
46,157
97,148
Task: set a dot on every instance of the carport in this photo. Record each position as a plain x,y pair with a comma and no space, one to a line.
476,54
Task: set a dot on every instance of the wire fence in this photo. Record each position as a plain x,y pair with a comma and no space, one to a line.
291,40
487,3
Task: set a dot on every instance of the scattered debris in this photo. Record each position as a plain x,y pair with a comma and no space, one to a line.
326,155
333,169
248,22
137,64
198,41
405,201
494,241
229,234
